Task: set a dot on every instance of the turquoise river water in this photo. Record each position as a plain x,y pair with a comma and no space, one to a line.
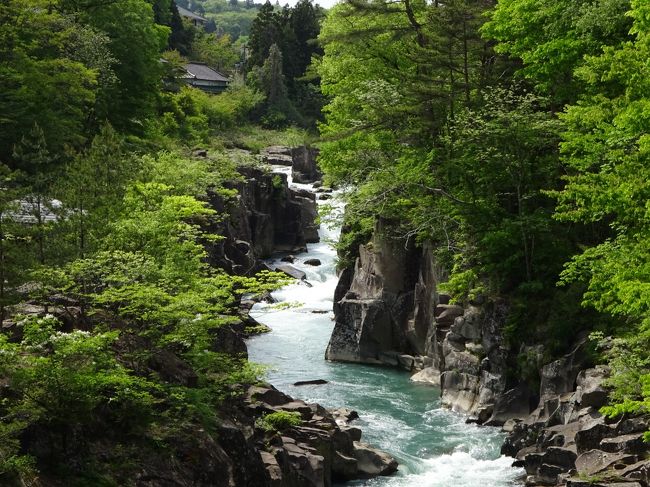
434,446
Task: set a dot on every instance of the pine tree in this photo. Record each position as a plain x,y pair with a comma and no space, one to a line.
265,31
279,109
37,166
93,188
13,259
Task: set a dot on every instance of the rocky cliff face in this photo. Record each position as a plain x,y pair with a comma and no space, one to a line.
304,168
388,311
375,313
265,216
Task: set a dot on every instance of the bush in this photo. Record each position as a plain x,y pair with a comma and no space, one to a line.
279,421
192,114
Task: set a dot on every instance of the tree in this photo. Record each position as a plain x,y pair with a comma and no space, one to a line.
216,51
396,74
37,165
552,38
13,238
93,187
606,149
265,31
506,217
182,34
303,23
278,108
136,42
41,79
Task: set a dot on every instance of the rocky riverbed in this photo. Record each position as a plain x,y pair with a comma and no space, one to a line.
389,311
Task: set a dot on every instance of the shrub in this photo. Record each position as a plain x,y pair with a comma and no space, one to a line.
279,421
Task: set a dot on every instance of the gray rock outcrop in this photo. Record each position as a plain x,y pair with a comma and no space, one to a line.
277,155
566,439
474,360
265,216
374,312
321,450
304,168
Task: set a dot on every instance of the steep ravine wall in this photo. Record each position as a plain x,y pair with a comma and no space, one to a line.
267,216
388,311
264,216
384,306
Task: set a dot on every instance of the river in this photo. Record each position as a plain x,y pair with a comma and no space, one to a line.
434,446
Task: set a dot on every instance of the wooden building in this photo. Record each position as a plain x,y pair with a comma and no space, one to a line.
203,77
195,19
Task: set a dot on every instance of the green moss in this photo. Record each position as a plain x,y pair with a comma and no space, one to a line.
256,330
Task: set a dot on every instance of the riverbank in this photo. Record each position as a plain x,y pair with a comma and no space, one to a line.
435,447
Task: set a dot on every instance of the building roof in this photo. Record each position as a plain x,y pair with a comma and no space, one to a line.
189,14
203,72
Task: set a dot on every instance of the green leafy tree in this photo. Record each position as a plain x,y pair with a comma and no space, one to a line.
216,51
136,43
552,38
605,148
38,82
93,187
182,34
60,382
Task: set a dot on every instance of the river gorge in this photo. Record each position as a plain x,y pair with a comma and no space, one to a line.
434,446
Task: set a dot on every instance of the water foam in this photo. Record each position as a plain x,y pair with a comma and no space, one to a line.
434,446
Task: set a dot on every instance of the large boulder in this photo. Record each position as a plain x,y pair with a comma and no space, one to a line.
247,465
277,155
372,462
291,271
590,391
559,376
304,167
371,318
428,375
308,218
594,462
512,404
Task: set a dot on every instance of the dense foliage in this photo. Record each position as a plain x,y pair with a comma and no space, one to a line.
281,46
512,137
113,341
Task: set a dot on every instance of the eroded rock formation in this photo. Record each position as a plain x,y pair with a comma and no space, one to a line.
263,217
388,311
382,306
323,449
304,168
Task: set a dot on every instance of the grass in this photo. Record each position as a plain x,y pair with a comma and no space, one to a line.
254,139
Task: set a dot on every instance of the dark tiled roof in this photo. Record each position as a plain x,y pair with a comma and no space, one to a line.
189,14
204,72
